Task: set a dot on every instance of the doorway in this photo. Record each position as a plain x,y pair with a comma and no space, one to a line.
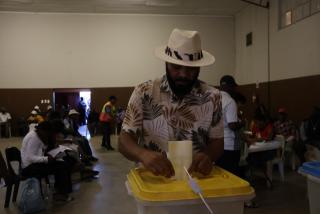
67,99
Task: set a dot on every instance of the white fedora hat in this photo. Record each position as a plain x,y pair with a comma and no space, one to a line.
184,48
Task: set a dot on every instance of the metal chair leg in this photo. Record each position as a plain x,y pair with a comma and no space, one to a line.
15,191
8,196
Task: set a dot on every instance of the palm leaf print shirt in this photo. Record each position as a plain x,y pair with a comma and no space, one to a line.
155,115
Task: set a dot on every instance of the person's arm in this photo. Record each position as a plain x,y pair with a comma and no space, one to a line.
271,133
231,114
128,146
9,118
256,135
293,132
215,149
108,110
156,162
202,160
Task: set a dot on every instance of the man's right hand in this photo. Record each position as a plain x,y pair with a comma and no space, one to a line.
157,163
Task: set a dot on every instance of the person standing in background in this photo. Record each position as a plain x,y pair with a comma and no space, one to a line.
231,155
49,111
120,117
5,120
82,111
93,122
107,118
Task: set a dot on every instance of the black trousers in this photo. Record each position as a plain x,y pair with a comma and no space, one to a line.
230,161
106,132
4,130
60,169
85,146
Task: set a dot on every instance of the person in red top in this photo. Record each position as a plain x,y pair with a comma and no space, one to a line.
107,119
262,129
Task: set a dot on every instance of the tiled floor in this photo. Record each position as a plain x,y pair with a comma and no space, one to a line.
108,194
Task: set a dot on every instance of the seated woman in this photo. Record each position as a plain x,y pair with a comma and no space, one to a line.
262,130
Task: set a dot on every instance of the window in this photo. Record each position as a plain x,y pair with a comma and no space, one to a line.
315,6
292,11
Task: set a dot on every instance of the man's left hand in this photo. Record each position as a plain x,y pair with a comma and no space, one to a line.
201,163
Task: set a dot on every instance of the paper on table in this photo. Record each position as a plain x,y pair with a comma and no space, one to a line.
248,132
56,151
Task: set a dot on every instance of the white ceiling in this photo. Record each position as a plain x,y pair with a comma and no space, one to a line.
190,7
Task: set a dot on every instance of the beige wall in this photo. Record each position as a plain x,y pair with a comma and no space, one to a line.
41,50
251,61
294,51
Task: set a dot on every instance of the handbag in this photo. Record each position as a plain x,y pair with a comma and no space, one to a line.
31,200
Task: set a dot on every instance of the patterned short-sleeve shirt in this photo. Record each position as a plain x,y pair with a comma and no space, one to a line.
155,115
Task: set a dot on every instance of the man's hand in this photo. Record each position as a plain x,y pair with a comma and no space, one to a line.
201,163
157,163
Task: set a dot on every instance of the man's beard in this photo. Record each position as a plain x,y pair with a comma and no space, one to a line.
181,90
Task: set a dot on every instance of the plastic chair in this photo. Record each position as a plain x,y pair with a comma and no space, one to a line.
4,173
13,154
279,160
290,153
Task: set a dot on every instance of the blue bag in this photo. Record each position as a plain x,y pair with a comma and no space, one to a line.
31,200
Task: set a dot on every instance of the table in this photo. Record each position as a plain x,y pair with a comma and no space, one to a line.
264,146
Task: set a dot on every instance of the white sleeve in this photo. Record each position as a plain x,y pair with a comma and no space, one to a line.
32,151
9,116
231,112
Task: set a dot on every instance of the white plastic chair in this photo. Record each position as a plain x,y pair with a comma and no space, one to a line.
290,153
279,160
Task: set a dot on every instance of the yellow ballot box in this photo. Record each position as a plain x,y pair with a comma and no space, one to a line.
223,191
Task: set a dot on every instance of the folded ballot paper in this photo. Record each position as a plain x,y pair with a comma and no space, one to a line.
59,152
